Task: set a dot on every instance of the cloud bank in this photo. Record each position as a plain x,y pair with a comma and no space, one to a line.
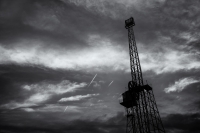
180,84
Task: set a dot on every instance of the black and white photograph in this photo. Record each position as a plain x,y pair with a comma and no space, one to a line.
99,66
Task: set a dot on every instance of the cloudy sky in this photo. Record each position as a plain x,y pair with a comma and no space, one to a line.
65,63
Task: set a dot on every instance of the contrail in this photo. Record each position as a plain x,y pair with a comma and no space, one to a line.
65,108
110,83
92,80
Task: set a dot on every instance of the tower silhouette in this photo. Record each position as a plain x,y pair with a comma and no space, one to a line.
139,101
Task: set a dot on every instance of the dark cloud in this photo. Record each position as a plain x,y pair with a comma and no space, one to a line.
47,122
197,104
53,23
35,21
182,123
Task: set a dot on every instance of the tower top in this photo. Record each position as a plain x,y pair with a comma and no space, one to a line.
129,23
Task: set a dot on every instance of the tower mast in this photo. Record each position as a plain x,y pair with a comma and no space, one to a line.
138,100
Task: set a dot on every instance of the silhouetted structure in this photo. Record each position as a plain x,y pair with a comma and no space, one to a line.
138,100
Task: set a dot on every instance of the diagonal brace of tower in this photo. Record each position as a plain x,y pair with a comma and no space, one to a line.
138,100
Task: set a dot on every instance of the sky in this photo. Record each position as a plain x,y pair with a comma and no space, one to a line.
65,63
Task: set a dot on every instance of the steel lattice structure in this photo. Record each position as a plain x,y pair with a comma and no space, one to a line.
138,100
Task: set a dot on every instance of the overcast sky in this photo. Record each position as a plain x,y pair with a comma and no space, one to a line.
65,63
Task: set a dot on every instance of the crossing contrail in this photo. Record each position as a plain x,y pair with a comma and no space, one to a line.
92,80
110,83
65,108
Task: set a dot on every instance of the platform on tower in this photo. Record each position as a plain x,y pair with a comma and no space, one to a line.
130,97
